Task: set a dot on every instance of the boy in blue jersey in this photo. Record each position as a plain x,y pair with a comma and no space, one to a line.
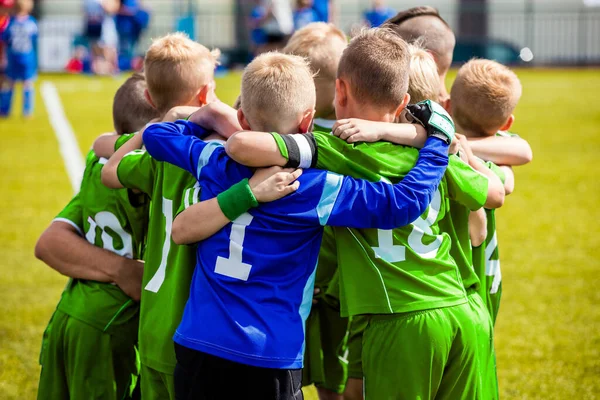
20,37
378,14
254,278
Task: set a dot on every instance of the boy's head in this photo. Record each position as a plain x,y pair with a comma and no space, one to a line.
131,110
278,94
484,96
322,45
372,79
423,82
304,3
24,6
427,26
179,72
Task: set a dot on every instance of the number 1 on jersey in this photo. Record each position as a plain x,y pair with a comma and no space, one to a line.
233,266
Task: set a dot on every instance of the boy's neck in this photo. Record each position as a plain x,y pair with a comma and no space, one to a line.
326,115
470,133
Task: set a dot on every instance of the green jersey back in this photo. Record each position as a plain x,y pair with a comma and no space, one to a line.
168,267
408,268
114,220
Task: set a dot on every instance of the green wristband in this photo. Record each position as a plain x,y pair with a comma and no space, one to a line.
237,200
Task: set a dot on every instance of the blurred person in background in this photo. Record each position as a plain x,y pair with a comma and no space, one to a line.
20,37
271,23
101,34
131,20
324,10
5,9
378,14
304,14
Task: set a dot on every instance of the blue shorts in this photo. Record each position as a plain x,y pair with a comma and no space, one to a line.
21,71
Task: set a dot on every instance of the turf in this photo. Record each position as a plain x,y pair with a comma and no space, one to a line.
548,331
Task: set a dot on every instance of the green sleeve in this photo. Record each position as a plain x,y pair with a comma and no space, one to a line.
496,170
122,140
137,170
72,214
465,185
281,145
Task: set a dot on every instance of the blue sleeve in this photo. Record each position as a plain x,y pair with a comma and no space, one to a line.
361,204
176,143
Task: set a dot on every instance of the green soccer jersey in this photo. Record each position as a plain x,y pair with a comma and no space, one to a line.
114,220
405,269
168,267
486,259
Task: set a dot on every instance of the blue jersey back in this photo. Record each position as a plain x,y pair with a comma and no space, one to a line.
252,288
20,36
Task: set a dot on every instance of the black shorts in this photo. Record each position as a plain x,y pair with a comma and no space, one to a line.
201,376
93,31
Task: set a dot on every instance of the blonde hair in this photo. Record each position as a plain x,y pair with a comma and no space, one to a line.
484,95
176,68
322,44
276,88
423,81
376,64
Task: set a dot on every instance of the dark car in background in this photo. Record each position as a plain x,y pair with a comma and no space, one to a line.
493,49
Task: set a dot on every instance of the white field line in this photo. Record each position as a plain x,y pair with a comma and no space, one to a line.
67,142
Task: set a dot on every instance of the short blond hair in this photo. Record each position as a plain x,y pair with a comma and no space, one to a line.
423,81
322,45
276,88
176,68
484,95
376,64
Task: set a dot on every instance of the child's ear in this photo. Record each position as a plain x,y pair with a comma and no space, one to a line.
306,122
149,98
447,106
509,122
402,106
341,92
242,120
204,95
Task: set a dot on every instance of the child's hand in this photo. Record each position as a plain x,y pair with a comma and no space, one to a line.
464,148
454,146
129,279
269,184
354,130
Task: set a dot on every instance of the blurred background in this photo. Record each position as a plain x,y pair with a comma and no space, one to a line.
536,32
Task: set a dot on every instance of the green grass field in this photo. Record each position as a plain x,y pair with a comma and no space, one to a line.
548,332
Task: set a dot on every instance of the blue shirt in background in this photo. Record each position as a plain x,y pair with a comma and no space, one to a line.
375,17
253,284
321,7
20,37
305,16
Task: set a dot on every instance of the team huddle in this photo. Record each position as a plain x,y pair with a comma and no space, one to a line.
335,227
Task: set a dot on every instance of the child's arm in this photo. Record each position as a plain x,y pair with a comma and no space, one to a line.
255,149
357,130
110,177
477,227
218,117
502,150
104,145
204,219
509,179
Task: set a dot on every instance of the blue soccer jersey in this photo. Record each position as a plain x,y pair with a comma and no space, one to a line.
252,287
375,17
20,37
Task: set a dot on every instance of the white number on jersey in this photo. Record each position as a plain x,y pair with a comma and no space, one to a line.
233,266
492,267
104,220
391,253
159,277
